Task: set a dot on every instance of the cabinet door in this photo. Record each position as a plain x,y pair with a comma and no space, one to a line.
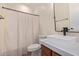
45,51
55,54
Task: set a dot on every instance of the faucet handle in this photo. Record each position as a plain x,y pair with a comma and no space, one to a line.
66,29
61,30
71,29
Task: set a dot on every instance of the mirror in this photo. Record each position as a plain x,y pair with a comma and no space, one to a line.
74,16
66,15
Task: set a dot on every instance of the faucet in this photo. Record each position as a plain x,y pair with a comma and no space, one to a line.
65,29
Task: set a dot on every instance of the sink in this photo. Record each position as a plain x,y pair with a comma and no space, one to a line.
60,38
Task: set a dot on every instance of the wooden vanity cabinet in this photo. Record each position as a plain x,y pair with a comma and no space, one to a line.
55,53
48,52
45,51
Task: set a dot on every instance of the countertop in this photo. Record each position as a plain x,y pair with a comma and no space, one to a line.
61,47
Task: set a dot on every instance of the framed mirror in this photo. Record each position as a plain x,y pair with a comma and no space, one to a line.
66,15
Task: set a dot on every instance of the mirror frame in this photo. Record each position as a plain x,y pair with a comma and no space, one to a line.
54,16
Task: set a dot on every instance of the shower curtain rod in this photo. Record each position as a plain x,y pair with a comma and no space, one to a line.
19,11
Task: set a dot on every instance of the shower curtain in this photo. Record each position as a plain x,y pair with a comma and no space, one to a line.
18,31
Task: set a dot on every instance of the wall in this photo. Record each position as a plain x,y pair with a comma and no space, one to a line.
45,10
15,23
65,13
61,13
46,23
46,19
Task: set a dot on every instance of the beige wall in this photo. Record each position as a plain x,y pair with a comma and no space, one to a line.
16,32
45,10
46,19
46,16
62,11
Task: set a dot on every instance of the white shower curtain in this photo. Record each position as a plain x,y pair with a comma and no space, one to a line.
11,35
18,30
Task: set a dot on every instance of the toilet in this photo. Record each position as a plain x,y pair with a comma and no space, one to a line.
34,50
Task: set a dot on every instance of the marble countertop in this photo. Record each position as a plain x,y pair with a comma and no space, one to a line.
62,47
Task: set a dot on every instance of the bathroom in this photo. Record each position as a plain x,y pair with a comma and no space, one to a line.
26,29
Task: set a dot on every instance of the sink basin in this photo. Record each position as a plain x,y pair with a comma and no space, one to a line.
61,38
